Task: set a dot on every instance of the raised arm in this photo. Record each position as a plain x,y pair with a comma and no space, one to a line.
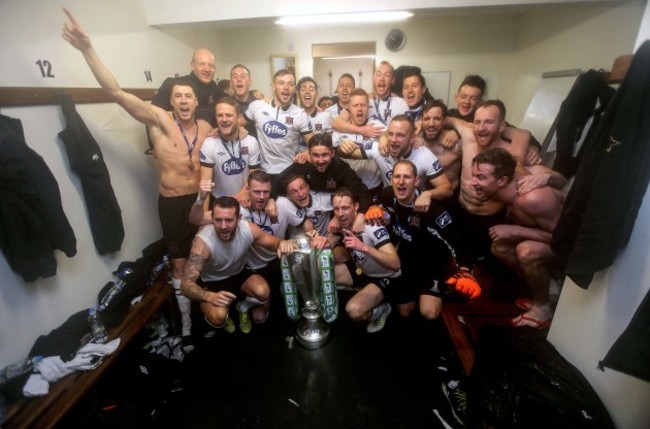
77,37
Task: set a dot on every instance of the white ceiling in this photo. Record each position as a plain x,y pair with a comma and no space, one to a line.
246,13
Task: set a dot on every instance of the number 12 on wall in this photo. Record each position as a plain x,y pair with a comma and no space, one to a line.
46,68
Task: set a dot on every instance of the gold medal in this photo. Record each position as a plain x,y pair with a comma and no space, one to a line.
359,271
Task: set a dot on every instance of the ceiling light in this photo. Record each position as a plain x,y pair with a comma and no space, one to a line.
344,18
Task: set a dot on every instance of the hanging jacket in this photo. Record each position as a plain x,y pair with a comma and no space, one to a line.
32,221
86,160
601,207
575,111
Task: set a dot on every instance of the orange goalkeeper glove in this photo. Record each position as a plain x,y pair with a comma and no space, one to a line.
464,282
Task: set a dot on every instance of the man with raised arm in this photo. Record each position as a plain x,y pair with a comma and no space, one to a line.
176,137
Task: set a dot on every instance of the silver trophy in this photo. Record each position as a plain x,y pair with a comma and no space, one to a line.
312,331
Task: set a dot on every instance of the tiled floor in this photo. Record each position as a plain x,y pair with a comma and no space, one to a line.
384,380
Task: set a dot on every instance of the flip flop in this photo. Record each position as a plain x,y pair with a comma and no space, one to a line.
523,320
524,303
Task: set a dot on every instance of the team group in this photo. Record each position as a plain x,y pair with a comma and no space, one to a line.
415,200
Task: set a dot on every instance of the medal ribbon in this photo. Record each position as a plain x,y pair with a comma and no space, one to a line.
190,147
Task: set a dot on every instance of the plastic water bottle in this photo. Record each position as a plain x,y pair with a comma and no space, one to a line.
158,268
97,327
118,285
19,368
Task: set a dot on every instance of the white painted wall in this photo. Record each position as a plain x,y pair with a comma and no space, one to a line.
514,49
129,47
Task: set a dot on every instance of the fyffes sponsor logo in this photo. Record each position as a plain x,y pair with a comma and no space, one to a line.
234,166
275,130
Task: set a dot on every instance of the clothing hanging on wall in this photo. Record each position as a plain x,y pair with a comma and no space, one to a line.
631,351
588,98
602,205
32,221
87,161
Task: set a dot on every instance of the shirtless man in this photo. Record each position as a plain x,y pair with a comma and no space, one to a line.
477,213
177,138
525,244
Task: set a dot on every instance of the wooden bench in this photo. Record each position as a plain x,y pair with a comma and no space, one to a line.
44,412
464,320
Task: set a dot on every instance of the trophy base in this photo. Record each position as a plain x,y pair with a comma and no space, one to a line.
312,334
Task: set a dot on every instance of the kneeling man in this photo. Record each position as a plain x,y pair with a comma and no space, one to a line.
369,261
215,274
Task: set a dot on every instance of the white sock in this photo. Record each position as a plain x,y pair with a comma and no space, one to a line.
185,306
249,302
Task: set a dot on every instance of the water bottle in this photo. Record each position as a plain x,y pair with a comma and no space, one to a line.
118,285
19,368
158,268
97,327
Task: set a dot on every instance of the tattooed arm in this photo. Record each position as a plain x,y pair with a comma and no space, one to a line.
198,255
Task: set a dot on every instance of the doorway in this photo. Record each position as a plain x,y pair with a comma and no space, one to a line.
331,60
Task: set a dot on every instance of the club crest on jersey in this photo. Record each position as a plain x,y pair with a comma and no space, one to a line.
266,229
202,156
244,150
288,120
436,166
319,128
331,183
415,221
443,220
387,113
275,130
233,166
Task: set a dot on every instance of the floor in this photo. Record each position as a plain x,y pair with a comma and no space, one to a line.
357,380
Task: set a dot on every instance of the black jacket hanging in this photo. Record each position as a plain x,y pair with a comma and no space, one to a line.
602,205
575,111
87,161
32,221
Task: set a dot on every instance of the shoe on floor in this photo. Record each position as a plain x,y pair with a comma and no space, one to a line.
525,320
229,326
245,324
378,318
457,397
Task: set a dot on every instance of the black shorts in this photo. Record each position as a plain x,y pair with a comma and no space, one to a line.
231,284
271,272
178,232
392,288
475,229
426,272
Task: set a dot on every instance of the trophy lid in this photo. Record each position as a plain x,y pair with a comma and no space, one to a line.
303,243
